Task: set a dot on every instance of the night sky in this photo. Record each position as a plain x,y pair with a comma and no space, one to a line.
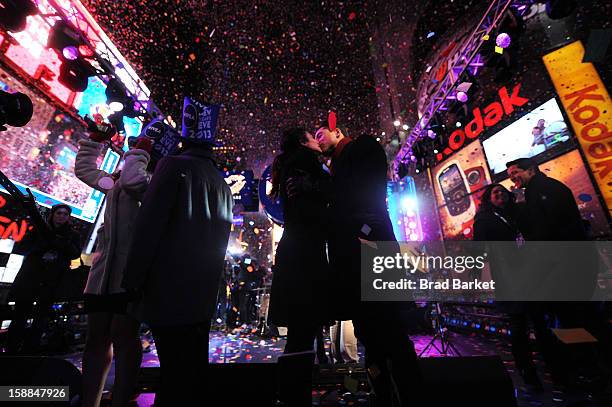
271,64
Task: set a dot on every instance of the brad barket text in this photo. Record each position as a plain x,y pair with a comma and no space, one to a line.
425,263
440,285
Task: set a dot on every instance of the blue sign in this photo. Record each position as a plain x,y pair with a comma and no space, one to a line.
242,185
199,121
165,138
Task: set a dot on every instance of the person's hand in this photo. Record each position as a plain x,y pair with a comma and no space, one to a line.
99,131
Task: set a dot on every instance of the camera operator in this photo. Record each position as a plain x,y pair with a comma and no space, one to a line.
48,251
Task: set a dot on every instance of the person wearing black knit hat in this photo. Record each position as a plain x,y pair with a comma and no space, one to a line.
48,251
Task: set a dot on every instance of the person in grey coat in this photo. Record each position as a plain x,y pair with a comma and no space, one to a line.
110,331
175,262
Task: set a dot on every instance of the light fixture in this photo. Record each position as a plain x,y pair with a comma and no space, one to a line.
70,52
408,203
396,123
86,51
503,40
115,106
458,124
14,14
75,75
405,127
462,97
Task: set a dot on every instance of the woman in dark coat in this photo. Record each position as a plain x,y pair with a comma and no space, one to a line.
299,294
48,253
497,220
301,271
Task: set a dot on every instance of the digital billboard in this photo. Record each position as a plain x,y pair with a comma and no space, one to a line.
42,154
531,135
458,184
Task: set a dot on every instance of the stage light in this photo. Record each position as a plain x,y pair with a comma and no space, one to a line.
408,203
405,127
383,133
115,106
413,158
86,51
431,134
116,119
396,123
235,250
462,97
458,124
70,52
414,237
431,34
75,75
503,40
116,94
435,151
15,13
63,35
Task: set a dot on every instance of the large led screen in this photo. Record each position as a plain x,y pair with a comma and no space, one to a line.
533,134
41,156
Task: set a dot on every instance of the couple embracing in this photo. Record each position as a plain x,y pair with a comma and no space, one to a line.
317,267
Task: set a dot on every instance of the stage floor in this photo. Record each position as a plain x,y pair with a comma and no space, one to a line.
249,348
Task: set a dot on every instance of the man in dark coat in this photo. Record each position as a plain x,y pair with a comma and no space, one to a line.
563,267
565,271
359,211
175,262
553,213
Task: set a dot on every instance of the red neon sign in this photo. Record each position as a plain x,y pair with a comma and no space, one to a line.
488,117
10,229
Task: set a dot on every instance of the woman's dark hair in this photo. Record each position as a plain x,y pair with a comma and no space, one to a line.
485,200
291,140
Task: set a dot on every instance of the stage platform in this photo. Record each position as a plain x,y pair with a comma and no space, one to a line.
245,348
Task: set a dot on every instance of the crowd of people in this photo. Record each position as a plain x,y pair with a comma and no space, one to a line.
160,256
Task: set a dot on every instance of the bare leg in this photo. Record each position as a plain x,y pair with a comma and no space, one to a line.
128,356
97,357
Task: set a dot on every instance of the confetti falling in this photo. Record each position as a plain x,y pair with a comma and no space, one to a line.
271,64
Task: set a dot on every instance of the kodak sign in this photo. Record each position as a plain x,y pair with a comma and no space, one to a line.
484,118
588,106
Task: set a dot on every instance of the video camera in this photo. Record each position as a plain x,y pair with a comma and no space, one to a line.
15,109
